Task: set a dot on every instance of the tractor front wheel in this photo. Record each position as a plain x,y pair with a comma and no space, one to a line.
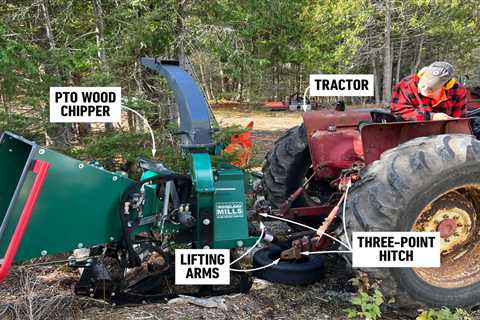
426,184
287,167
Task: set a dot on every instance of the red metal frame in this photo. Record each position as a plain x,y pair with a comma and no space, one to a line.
379,137
294,213
336,142
40,168
275,105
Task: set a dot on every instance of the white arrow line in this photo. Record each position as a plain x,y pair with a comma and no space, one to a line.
307,253
343,215
256,244
154,149
310,228
259,268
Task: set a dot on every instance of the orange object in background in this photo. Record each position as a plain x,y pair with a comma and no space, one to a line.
241,146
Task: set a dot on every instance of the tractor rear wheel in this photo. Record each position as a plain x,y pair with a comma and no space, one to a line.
426,184
287,167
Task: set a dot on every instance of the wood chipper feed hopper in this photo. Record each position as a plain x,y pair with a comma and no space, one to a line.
62,203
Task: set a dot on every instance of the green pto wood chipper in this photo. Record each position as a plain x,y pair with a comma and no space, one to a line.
51,203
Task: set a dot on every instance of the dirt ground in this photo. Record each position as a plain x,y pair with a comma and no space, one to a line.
46,291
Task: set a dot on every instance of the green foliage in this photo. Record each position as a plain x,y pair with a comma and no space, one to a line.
239,49
366,306
444,314
118,150
223,135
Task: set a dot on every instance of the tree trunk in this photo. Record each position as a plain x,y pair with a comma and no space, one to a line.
48,24
56,135
100,38
204,81
5,105
131,122
248,88
387,55
376,79
100,34
399,60
418,60
240,86
222,80
274,77
210,85
180,33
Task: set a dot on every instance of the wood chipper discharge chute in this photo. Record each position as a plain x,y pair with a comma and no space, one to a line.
127,230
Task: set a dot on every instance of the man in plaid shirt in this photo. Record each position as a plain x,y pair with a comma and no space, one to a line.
432,94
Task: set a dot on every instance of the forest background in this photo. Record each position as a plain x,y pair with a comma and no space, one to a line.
245,51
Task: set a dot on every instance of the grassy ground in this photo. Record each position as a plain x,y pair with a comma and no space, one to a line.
46,291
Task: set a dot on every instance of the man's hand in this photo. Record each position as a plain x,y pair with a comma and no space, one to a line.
440,116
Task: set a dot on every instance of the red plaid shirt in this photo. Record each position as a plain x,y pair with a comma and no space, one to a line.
409,104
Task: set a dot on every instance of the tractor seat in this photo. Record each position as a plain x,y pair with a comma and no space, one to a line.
378,116
154,166
383,116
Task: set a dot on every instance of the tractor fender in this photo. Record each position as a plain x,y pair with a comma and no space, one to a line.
334,139
333,151
340,120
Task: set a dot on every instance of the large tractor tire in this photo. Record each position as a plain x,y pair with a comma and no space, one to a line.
285,169
426,184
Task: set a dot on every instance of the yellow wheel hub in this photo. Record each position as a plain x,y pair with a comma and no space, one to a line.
454,225
455,215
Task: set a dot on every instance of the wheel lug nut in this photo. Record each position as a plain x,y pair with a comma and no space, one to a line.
459,225
456,234
445,216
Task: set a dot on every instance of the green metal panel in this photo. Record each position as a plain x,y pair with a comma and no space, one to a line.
202,177
77,207
14,155
230,214
223,194
202,172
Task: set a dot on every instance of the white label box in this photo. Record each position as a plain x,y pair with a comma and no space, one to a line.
202,266
85,104
396,249
346,85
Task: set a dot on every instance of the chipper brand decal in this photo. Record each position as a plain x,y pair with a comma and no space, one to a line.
202,266
85,104
226,210
396,249
328,85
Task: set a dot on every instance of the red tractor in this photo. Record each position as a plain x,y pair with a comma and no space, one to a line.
404,176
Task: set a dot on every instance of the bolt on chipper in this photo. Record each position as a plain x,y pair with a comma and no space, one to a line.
51,203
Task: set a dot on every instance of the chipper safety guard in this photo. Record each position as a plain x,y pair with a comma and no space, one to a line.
51,203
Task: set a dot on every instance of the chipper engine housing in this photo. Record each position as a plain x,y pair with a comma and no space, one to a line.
51,203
